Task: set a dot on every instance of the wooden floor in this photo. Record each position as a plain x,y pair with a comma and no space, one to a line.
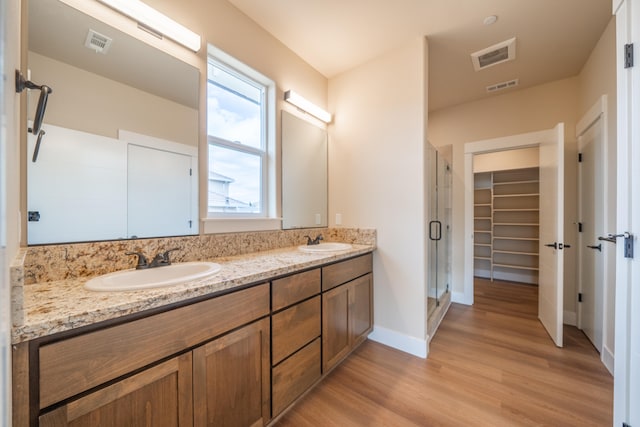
491,364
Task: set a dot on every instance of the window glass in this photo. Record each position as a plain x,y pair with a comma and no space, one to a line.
234,181
237,146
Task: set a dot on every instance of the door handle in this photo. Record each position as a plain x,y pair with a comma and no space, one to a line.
438,229
628,242
599,247
608,239
556,245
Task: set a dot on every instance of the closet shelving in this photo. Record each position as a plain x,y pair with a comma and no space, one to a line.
482,225
514,227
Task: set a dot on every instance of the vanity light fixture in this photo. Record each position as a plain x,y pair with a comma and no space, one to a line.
306,105
156,21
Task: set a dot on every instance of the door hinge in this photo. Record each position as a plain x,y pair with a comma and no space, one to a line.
580,297
190,223
33,216
579,157
628,55
579,227
190,172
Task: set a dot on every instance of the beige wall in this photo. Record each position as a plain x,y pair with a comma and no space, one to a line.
376,178
91,103
222,25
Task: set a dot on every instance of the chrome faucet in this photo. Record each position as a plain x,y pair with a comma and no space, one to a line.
315,241
161,259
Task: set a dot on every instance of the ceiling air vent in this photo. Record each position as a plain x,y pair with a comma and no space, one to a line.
493,55
98,42
502,85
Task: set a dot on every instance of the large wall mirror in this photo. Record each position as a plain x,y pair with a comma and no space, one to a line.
118,159
304,173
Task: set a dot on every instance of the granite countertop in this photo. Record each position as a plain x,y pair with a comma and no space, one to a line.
62,305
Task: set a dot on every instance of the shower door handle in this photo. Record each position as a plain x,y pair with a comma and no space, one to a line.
438,230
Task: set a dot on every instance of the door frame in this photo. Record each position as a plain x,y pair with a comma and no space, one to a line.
524,140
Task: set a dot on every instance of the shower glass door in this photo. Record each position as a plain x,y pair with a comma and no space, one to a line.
439,229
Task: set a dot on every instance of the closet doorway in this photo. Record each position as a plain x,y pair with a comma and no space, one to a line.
506,216
550,145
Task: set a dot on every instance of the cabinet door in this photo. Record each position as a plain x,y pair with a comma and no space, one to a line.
232,379
335,326
159,396
360,311
295,375
294,328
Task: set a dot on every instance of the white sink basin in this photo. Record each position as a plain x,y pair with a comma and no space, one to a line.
128,280
325,247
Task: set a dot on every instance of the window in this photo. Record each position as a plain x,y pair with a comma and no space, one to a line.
239,122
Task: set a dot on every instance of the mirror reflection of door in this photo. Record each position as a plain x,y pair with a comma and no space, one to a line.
159,193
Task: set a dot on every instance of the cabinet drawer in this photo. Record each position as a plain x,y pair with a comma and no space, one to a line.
289,290
341,272
295,375
294,327
76,364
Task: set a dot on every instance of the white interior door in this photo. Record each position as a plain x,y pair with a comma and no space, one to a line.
590,249
550,291
159,193
626,394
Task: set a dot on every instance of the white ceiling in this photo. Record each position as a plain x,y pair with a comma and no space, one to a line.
554,37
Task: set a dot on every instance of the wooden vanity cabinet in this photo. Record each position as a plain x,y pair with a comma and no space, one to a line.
231,379
347,316
238,359
160,396
296,329
217,373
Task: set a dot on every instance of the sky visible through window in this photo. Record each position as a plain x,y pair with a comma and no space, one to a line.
234,114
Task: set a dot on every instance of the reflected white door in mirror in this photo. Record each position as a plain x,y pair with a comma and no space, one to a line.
90,187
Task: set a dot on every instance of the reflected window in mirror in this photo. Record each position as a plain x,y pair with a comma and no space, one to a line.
237,115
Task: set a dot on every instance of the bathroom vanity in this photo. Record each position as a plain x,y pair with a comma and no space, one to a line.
239,353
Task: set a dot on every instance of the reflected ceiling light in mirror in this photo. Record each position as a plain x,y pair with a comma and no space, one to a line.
149,17
305,105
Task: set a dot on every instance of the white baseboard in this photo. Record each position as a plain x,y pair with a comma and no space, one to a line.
458,297
411,345
607,358
570,318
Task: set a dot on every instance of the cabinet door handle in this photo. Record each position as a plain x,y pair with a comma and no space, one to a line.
553,245
599,247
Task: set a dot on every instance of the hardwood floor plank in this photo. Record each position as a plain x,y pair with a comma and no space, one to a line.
491,364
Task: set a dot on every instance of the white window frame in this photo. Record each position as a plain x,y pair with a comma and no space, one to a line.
268,219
